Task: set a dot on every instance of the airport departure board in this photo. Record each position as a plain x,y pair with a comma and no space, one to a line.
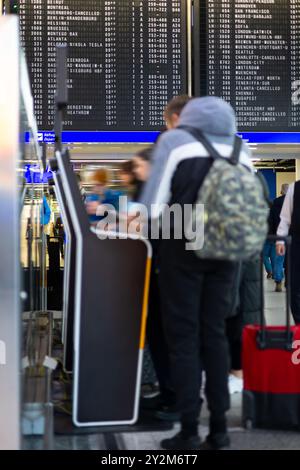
248,52
126,59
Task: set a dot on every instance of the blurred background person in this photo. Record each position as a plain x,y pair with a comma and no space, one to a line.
246,311
141,167
173,110
247,306
100,196
46,216
128,182
274,264
269,250
60,233
278,270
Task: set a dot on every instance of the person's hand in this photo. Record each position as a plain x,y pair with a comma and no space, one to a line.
135,227
101,210
280,249
92,207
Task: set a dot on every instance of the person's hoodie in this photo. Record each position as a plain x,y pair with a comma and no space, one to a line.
180,162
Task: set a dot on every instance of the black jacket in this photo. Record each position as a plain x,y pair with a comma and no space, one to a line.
275,214
248,292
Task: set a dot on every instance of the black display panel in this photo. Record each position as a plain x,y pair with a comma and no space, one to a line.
248,52
126,59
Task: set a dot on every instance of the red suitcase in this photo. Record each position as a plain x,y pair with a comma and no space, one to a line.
271,365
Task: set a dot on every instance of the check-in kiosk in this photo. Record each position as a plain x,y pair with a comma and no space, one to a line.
111,296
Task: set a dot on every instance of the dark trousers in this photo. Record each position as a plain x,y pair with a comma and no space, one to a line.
196,299
157,340
295,280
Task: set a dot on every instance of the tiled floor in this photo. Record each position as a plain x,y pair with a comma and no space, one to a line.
240,438
275,305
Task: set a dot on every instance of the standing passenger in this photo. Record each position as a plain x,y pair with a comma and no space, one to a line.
290,224
275,221
196,294
127,179
174,109
164,405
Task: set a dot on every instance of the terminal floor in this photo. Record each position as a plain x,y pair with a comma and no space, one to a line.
240,438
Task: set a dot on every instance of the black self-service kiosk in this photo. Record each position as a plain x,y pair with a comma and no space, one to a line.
111,277
110,309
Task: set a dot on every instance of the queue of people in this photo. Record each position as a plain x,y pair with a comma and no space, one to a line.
198,307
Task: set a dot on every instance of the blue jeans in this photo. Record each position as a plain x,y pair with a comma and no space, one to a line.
278,273
269,256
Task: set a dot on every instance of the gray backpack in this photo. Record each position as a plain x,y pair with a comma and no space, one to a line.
235,207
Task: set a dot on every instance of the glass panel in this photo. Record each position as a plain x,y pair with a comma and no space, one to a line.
35,218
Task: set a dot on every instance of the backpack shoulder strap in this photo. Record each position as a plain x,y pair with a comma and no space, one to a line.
198,135
235,157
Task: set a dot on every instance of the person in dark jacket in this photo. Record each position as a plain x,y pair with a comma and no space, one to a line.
60,233
290,225
247,307
196,294
164,407
164,403
278,273
277,208
156,344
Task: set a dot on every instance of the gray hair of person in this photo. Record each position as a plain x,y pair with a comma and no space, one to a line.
284,188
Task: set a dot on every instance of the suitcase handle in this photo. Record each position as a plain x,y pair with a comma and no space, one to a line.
276,339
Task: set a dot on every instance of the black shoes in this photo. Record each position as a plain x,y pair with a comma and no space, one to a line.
167,413
149,391
216,442
150,403
160,409
180,442
212,442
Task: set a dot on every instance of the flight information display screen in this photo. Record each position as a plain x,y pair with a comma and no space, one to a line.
248,52
126,59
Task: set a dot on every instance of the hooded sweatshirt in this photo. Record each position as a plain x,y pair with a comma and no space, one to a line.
181,163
